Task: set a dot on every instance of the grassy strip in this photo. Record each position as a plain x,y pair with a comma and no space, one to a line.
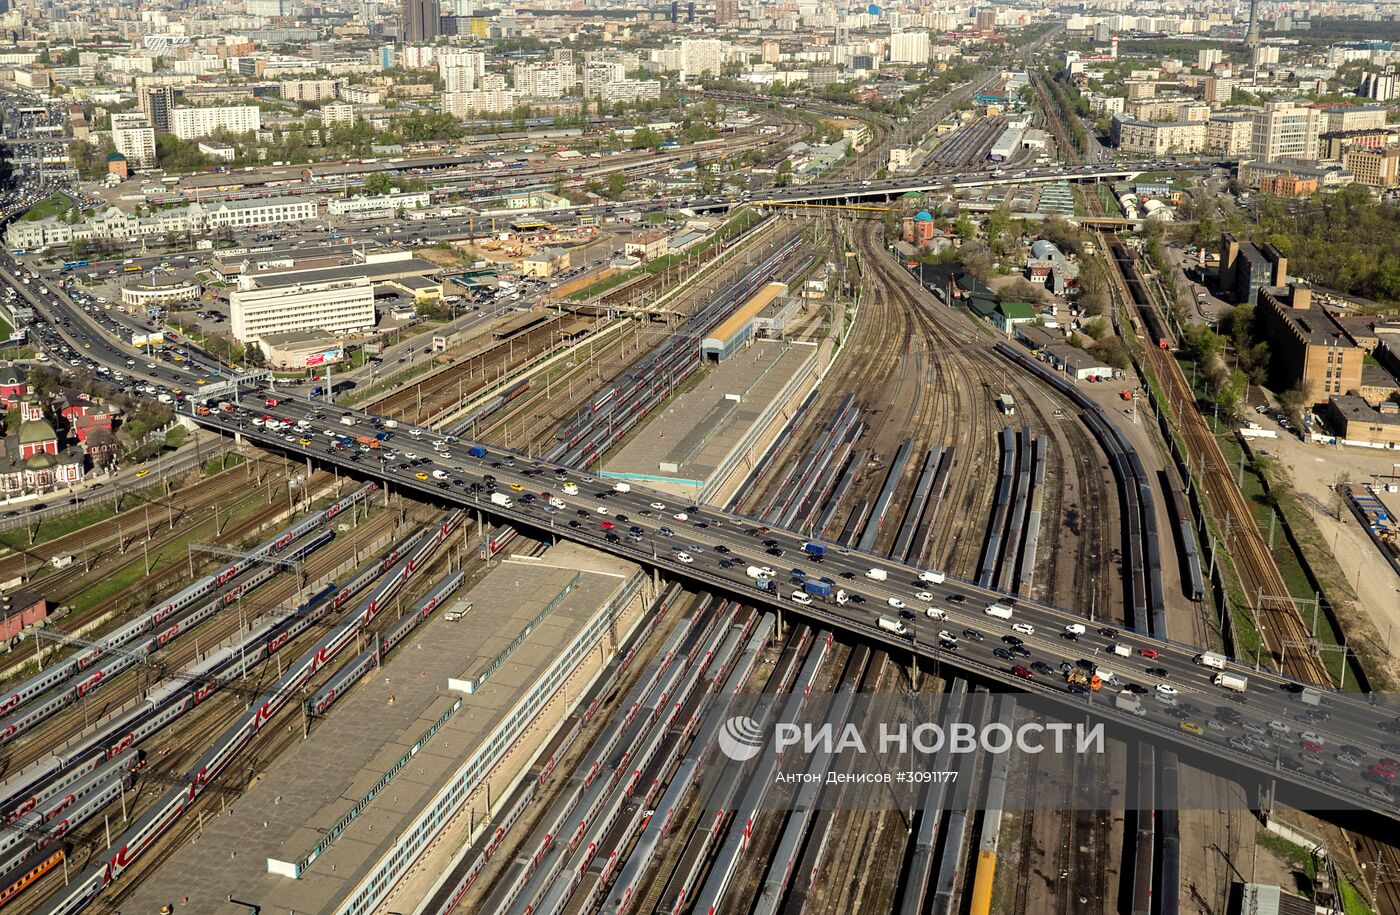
171,555
731,229
1290,565
390,383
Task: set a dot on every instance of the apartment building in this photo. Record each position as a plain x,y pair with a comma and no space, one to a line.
192,123
156,104
1286,130
337,307
1206,58
543,80
701,57
1218,89
480,101
309,90
632,90
1229,134
1307,348
461,71
599,74
137,143
1372,166
337,113
909,48
1158,138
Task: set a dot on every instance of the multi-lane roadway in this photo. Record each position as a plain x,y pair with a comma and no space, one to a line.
1349,740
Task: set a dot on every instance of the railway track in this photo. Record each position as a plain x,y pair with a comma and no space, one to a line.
122,527
1259,575
468,377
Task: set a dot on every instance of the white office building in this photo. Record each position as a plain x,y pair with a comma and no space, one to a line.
193,123
338,307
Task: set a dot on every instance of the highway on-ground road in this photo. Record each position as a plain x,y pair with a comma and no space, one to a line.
1340,747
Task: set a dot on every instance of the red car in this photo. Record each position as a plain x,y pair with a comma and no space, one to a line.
1383,771
1312,747
608,525
1149,653
1023,672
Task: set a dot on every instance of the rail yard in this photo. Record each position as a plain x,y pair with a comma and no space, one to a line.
598,510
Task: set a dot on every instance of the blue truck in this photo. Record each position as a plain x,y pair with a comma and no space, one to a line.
814,549
382,436
821,590
763,584
477,452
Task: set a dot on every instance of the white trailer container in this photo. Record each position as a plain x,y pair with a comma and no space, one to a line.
893,625
933,576
1210,659
1129,702
1000,611
1123,651
1231,682
1310,696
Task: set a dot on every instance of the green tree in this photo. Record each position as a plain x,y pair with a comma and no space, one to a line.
617,185
784,176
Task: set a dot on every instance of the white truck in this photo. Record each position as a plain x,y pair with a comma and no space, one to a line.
842,599
893,625
1000,611
1123,651
501,499
347,420
1310,696
622,487
1231,682
933,577
1128,701
877,575
1210,659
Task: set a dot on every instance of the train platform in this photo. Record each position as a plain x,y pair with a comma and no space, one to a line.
451,720
702,432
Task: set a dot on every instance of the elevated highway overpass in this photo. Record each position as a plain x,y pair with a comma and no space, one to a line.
719,546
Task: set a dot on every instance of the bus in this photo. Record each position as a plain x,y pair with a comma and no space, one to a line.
134,268
1007,404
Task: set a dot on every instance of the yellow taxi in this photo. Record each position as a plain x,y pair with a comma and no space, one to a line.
1191,727
420,475
142,472
305,442
517,487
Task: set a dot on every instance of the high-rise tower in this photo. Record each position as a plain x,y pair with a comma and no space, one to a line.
1251,38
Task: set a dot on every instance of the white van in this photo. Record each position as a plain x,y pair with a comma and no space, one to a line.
935,613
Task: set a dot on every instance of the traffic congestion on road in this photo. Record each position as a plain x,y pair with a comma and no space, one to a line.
1337,744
